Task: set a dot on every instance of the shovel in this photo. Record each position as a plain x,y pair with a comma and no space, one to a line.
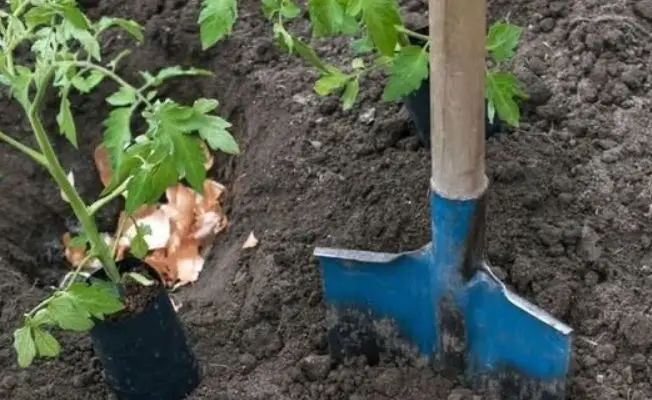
442,303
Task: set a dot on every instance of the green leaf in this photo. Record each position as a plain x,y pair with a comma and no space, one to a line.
501,89
148,185
117,133
42,317
307,53
289,9
86,84
139,278
46,344
353,7
130,26
381,18
205,106
189,159
24,346
125,96
63,311
20,83
362,45
502,40
65,119
327,84
270,7
138,244
327,17
73,15
408,71
350,93
88,41
216,20
97,300
131,160
79,242
214,131
39,15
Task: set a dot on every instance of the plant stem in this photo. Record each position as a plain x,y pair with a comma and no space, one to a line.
33,154
99,203
412,34
76,202
116,78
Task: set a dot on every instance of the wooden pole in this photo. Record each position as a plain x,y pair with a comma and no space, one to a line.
457,68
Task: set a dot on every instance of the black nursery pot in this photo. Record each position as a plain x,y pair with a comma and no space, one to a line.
145,355
418,105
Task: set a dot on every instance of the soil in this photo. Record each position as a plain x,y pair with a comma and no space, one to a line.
569,224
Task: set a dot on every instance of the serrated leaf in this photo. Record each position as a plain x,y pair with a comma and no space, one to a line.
408,71
350,93
189,159
216,20
139,278
117,133
123,97
46,344
86,84
381,18
327,84
148,185
327,17
66,121
129,161
502,40
24,346
20,83
130,26
96,300
39,15
214,131
64,312
501,88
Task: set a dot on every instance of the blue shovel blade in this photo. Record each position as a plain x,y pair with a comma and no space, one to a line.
499,341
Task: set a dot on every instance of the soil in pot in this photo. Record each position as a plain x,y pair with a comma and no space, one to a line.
418,105
143,348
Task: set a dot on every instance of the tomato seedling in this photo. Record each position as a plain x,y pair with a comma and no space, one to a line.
64,55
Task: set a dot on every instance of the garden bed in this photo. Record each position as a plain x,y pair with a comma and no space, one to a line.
570,217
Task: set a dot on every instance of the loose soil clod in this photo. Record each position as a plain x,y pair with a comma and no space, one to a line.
575,178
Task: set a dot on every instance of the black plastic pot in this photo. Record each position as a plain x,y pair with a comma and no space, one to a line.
145,355
418,105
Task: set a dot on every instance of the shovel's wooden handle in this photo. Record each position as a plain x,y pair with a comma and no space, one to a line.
457,68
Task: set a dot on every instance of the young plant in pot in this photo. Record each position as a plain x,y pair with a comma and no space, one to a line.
116,290
381,42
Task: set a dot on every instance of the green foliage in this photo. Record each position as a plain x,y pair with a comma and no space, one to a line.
75,308
376,31
66,56
216,20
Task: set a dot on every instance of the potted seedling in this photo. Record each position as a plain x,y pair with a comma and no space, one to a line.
380,41
51,46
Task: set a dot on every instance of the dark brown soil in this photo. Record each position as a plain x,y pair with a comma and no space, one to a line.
569,217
